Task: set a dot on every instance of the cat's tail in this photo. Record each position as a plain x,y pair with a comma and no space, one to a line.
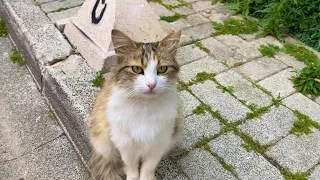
102,168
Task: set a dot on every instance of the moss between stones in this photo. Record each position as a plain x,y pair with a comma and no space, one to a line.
250,144
235,26
300,53
229,127
98,80
201,77
303,125
59,10
3,28
288,175
269,50
258,112
16,57
200,46
277,101
173,18
202,142
228,89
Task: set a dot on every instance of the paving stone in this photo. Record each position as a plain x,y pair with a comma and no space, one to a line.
227,105
54,160
188,102
248,165
261,68
199,32
298,153
280,83
184,10
239,45
63,14
303,104
196,19
171,2
168,168
201,5
206,64
187,54
315,174
215,17
185,40
180,24
201,165
243,89
223,53
55,5
248,37
189,1
290,60
160,10
44,1
167,27
270,127
197,126
266,40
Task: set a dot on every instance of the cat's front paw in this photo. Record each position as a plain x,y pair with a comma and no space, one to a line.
152,177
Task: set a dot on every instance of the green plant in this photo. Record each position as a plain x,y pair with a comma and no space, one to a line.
269,50
235,26
173,18
288,175
300,53
198,44
224,89
98,80
3,28
17,58
258,112
303,125
59,10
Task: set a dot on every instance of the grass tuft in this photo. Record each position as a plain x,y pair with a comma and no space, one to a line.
198,44
250,144
258,112
277,101
228,89
300,53
269,50
288,175
16,57
98,80
173,18
303,125
59,10
3,28
235,26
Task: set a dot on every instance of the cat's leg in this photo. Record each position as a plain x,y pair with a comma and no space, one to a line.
130,159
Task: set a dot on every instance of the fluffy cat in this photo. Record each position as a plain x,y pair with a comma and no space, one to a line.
136,118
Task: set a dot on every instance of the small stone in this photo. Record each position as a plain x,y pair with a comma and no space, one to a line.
261,68
160,10
187,54
243,89
315,174
228,106
303,104
280,83
270,127
298,153
63,14
188,102
290,61
201,165
56,5
248,165
206,64
199,32
196,127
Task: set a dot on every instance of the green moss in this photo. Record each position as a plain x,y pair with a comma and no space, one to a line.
250,144
258,112
269,50
201,77
262,89
98,80
173,18
224,89
3,28
253,107
229,127
201,109
288,175
59,10
227,166
303,125
277,101
300,53
235,26
203,141
198,44
16,57
50,115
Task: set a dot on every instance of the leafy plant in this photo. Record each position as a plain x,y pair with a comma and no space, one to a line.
17,58
269,50
235,26
173,18
3,28
98,80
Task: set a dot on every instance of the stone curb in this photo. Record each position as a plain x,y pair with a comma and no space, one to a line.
35,36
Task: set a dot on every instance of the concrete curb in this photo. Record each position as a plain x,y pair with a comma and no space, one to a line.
63,78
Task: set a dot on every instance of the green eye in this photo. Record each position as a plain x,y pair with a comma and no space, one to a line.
137,69
162,69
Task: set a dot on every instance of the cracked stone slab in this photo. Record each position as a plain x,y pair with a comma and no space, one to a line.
188,102
160,10
315,174
290,61
184,10
298,153
261,68
199,32
271,127
243,89
239,45
56,5
54,160
223,53
25,121
303,104
248,165
229,107
56,16
206,64
280,83
187,54
197,126
201,165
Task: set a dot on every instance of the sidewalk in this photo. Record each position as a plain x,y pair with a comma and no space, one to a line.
241,107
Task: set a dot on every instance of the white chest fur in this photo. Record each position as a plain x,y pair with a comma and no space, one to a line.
145,123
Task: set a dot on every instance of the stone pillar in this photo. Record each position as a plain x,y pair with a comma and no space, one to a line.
90,30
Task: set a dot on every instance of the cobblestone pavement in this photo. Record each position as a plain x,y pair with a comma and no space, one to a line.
239,119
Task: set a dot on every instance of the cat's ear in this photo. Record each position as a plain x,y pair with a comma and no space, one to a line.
170,43
122,43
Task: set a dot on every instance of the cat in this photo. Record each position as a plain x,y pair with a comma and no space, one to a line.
137,116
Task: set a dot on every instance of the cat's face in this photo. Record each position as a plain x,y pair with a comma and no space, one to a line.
146,69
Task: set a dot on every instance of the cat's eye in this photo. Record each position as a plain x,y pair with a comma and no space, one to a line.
162,69
137,69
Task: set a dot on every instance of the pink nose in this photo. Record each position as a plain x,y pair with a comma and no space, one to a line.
151,86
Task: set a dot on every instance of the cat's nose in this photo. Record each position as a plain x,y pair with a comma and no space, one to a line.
151,86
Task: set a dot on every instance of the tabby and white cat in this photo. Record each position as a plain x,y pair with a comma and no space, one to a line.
136,117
